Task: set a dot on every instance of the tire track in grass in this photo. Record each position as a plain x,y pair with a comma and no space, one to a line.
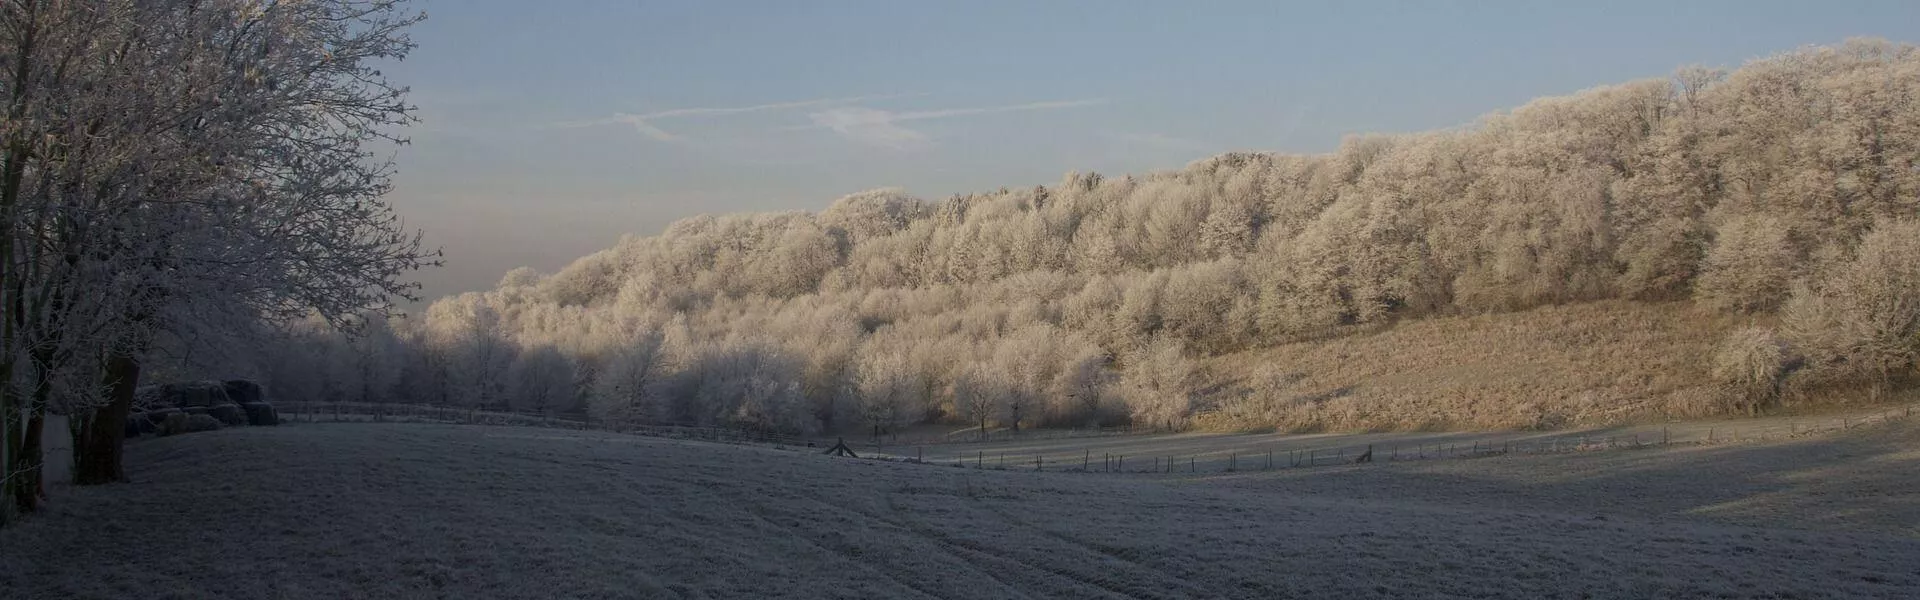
1189,587
759,513
977,552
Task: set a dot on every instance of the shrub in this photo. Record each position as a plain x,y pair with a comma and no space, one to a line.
1749,366
1859,322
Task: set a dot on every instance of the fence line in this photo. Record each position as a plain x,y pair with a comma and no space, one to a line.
310,412
1229,460
1265,458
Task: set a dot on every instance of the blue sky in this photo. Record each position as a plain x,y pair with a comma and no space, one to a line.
552,128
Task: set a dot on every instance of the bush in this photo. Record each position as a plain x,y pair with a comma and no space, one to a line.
1750,366
1859,322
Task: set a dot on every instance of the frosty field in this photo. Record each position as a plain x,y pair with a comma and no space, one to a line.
434,511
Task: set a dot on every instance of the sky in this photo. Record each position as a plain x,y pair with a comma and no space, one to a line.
550,129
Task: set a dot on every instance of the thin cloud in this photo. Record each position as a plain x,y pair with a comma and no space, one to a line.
875,127
1157,141
643,123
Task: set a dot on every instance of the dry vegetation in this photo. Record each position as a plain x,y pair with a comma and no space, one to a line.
427,511
1550,367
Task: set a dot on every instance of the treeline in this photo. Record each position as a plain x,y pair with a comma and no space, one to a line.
1785,189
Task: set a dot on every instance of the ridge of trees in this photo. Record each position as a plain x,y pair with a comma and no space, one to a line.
1786,190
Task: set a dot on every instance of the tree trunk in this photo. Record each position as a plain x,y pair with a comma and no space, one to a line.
31,489
99,442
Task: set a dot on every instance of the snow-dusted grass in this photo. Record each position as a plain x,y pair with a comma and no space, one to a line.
411,510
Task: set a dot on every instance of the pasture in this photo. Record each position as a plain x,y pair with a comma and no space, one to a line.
383,510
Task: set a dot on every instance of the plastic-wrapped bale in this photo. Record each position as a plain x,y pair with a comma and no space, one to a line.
228,414
244,392
261,413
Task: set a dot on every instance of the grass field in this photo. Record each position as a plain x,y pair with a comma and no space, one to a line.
439,511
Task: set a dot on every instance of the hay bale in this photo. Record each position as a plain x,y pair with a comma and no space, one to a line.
261,413
175,422
191,424
157,416
243,392
150,397
228,414
189,394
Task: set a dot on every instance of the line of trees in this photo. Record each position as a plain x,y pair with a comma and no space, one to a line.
1785,190
177,172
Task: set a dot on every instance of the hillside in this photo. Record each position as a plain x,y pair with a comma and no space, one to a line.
1708,243
386,510
1542,368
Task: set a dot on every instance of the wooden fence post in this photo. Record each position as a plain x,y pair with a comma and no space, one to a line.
1086,461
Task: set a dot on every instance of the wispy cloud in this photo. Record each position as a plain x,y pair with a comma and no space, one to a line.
644,123
882,128
1160,142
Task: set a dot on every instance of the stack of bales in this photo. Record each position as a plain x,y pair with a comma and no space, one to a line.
199,406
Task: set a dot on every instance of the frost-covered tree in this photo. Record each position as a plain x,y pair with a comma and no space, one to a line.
620,397
1159,384
541,380
1094,298
190,167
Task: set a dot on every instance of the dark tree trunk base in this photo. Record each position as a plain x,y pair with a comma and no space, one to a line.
98,443
28,493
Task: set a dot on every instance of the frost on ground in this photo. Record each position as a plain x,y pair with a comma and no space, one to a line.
388,510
